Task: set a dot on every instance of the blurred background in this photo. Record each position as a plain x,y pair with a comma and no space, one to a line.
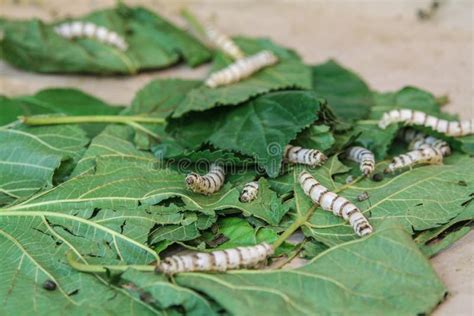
390,43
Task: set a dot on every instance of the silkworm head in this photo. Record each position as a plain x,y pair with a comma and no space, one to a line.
378,177
49,285
191,178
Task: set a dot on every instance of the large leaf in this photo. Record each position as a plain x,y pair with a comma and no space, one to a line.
153,43
344,279
260,128
347,94
290,72
114,142
121,185
29,157
419,199
52,101
161,96
34,246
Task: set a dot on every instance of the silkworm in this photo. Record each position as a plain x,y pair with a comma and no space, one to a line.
364,157
90,30
412,117
334,203
209,183
416,139
249,192
220,260
241,69
223,42
424,155
310,157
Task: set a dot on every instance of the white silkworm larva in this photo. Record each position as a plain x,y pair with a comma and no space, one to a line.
249,192
220,260
90,30
310,157
424,155
334,203
412,117
416,139
364,157
223,42
241,69
209,183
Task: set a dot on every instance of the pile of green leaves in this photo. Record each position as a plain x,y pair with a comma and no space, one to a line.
114,194
153,42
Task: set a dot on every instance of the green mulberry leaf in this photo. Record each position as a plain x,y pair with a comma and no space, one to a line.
289,72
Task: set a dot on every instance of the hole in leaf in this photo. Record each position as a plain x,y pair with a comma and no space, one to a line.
75,292
123,226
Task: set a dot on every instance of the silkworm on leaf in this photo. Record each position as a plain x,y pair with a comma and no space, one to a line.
416,139
249,192
364,157
424,155
209,183
304,156
220,260
90,30
412,117
334,203
241,69
223,42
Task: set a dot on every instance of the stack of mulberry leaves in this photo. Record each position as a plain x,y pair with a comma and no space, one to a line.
88,209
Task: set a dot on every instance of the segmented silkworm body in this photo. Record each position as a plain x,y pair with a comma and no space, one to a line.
209,183
424,155
416,139
310,157
337,204
223,42
412,117
241,69
249,192
90,30
220,260
364,157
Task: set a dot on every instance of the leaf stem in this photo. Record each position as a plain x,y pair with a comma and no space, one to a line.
193,22
92,268
143,129
292,256
293,227
55,120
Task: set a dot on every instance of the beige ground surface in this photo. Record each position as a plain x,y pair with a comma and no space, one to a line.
382,40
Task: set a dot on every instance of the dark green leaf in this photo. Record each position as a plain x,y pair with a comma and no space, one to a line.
347,94
53,101
290,72
153,43
160,97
